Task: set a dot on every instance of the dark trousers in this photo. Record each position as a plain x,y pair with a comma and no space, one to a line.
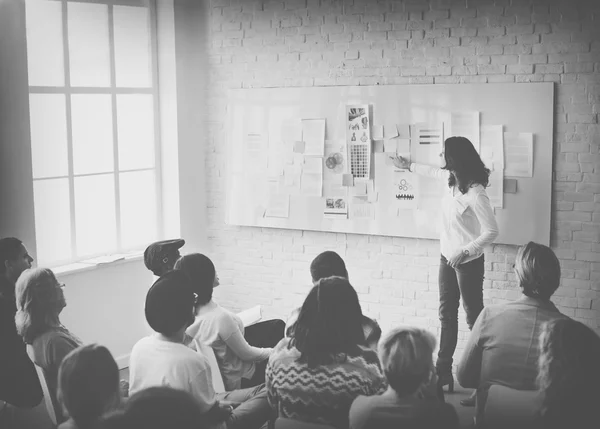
262,334
465,280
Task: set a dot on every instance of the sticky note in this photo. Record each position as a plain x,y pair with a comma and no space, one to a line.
402,145
299,147
403,130
510,186
378,146
360,189
377,132
391,145
347,180
390,131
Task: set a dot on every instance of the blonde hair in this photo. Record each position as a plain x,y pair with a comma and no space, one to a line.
37,300
538,270
406,356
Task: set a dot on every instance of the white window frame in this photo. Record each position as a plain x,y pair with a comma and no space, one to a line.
113,91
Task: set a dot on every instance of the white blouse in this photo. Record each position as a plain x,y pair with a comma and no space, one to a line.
468,221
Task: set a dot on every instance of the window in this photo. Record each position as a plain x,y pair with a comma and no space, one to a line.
94,127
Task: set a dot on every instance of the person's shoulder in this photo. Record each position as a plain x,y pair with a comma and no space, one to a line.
283,352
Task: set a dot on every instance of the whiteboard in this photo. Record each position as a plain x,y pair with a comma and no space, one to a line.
519,108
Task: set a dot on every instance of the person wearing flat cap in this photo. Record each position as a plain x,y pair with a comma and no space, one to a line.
160,256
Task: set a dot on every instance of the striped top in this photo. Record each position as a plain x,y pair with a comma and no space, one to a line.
321,394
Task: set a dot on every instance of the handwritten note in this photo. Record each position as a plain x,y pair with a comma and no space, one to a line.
518,154
362,211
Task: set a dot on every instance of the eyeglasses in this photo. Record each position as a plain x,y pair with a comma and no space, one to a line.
62,285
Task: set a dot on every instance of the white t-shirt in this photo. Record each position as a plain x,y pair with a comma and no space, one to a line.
155,362
223,330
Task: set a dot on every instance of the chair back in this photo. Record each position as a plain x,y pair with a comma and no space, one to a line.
283,423
217,378
51,407
506,407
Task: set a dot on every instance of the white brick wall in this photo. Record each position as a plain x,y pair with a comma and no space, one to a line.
361,42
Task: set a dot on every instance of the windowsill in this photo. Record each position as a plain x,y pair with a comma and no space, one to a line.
95,263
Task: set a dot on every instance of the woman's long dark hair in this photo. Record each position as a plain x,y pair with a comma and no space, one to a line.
463,161
329,323
568,374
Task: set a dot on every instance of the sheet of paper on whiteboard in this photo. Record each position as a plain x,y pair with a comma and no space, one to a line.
430,134
465,124
278,206
518,154
313,135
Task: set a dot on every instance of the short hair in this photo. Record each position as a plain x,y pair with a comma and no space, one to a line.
9,249
201,271
538,270
329,323
170,303
88,384
327,264
406,356
568,372
158,408
36,301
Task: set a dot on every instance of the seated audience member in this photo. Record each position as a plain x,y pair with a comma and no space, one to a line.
40,300
569,376
19,385
328,264
241,364
160,256
316,374
163,360
88,386
500,349
158,408
406,355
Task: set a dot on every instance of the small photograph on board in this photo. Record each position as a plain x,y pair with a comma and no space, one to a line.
336,207
358,137
358,122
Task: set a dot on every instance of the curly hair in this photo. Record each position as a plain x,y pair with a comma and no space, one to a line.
329,324
568,374
38,303
465,164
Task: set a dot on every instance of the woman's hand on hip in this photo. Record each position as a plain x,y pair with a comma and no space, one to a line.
456,259
400,162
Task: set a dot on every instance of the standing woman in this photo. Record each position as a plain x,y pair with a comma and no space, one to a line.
468,226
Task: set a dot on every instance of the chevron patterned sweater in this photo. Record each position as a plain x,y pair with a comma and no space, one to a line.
322,394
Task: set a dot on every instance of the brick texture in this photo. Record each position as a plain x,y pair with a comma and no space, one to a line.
362,42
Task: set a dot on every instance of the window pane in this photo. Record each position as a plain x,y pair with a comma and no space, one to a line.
48,121
132,46
92,133
89,53
138,208
45,61
95,220
52,220
135,120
